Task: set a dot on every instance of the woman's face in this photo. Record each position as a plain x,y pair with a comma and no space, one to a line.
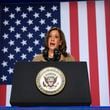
54,40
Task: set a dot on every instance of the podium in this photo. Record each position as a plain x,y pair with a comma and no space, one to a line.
76,89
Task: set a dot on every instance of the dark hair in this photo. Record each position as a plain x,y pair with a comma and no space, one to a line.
62,47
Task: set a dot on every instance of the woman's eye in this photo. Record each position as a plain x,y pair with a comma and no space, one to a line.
56,37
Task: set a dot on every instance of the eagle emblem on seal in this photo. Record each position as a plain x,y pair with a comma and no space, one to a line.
49,81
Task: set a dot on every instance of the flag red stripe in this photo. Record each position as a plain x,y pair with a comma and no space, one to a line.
74,30
93,57
2,95
107,17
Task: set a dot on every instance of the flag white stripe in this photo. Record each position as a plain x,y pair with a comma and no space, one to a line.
83,33
8,93
102,53
65,23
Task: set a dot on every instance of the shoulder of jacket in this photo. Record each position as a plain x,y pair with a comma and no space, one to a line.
70,58
38,57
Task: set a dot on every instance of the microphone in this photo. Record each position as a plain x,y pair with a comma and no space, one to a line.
56,57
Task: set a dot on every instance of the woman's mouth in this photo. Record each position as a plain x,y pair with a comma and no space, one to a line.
52,44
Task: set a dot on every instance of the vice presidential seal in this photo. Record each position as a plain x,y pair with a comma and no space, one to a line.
50,80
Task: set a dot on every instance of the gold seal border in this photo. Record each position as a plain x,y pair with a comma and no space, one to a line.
58,71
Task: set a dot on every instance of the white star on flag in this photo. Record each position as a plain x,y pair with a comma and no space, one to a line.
4,78
18,9
4,63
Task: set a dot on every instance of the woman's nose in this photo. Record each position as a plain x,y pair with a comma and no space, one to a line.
52,39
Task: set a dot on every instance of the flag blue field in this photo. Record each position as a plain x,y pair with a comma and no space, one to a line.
23,32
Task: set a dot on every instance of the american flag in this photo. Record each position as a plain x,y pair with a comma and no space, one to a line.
86,25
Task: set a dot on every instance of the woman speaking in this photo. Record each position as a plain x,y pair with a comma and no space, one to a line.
55,47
